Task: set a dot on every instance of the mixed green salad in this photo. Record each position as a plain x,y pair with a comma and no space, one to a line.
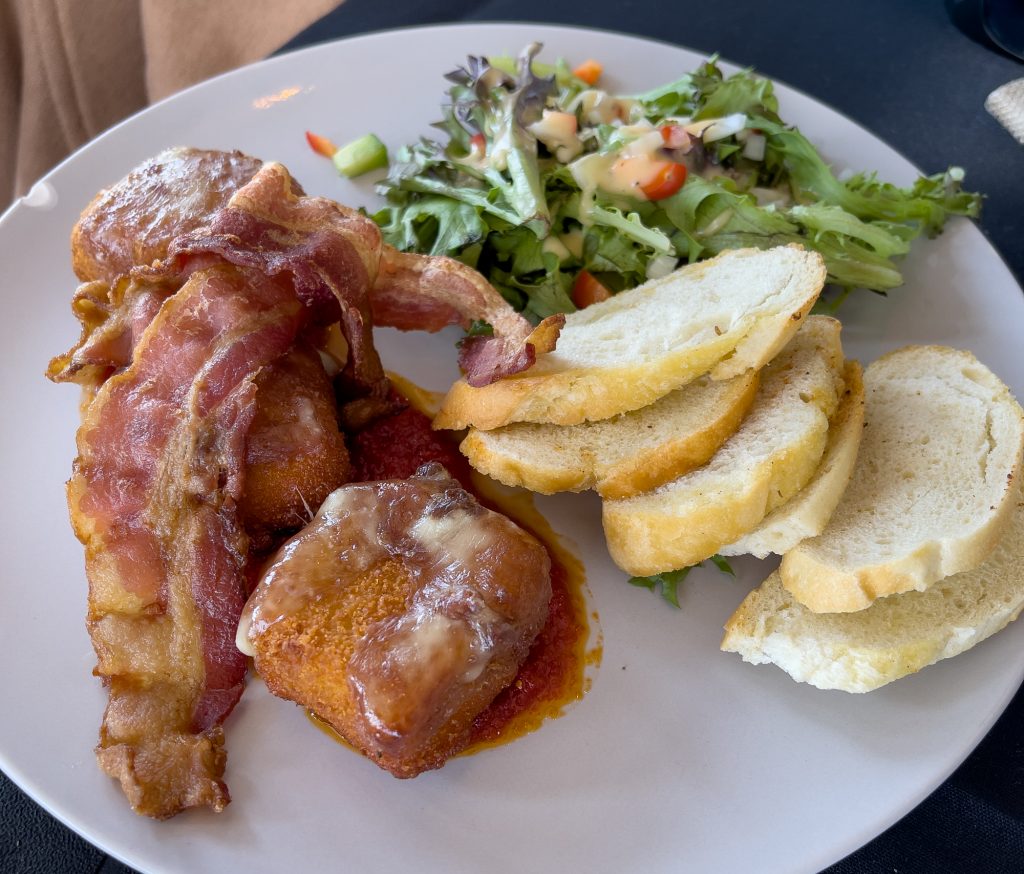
561,193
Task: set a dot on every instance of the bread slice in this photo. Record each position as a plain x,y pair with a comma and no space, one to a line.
772,455
807,513
723,316
931,490
896,636
628,454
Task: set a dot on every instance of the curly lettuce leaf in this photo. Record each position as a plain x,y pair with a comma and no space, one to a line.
489,101
684,96
668,583
926,205
712,218
742,93
433,224
607,251
542,293
630,225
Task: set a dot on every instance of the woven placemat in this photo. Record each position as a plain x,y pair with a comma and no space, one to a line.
1006,105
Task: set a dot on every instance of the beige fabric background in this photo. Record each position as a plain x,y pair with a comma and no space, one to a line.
69,69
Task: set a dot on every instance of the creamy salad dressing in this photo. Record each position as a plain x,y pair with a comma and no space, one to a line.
599,107
621,173
558,131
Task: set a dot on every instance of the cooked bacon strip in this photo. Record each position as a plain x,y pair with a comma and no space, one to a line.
153,498
134,221
269,224
329,252
113,319
332,252
486,359
129,224
428,293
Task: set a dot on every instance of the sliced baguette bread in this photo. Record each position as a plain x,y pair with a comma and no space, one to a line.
807,513
772,455
723,316
895,636
622,456
932,488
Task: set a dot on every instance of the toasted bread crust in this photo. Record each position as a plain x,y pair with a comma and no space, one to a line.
893,479
571,385
759,468
823,589
807,513
896,636
648,470
654,542
613,456
575,395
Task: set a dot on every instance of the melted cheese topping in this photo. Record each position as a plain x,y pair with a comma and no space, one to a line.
465,561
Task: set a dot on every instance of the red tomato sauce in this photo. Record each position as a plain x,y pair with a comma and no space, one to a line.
393,447
548,675
552,676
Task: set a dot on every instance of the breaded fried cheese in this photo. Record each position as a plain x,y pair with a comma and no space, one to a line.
295,454
398,615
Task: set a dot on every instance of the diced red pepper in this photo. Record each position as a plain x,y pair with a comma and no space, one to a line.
587,290
321,145
674,136
668,180
478,143
589,71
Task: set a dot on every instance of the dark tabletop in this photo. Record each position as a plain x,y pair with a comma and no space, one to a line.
915,73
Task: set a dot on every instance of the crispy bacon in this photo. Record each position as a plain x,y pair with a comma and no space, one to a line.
329,252
132,223
335,255
134,220
486,359
267,223
164,458
424,293
113,318
153,498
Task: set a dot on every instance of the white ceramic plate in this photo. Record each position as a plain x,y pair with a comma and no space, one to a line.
680,758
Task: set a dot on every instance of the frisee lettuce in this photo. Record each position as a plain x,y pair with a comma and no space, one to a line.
668,583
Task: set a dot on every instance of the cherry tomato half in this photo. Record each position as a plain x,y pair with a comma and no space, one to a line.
587,290
668,180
